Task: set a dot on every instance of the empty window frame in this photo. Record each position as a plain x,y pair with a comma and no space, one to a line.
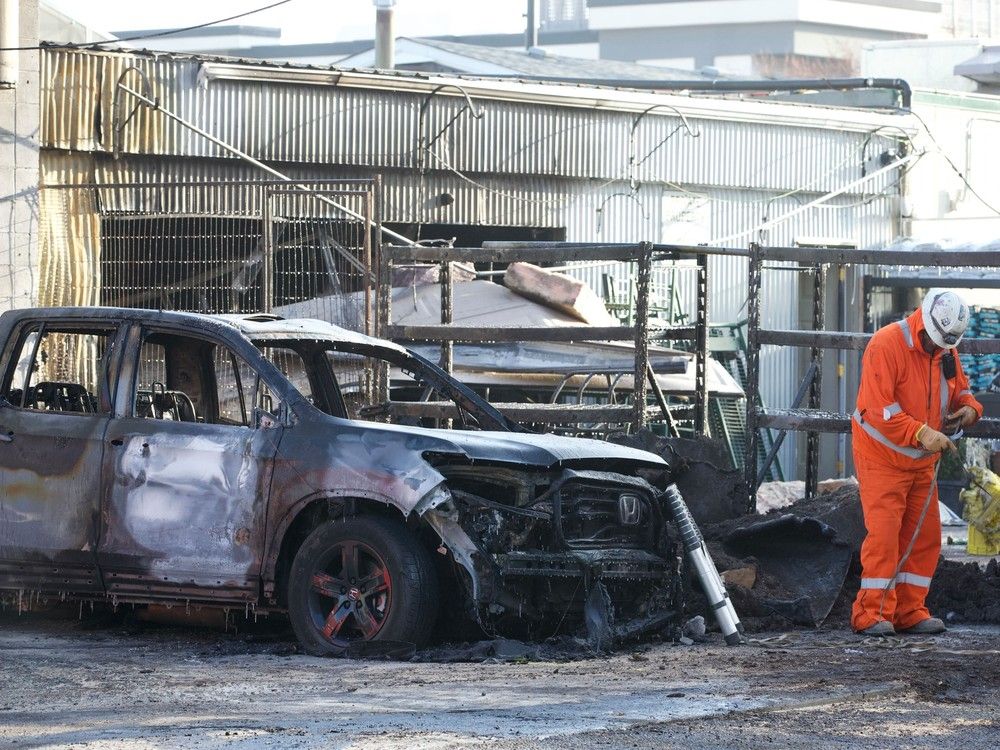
61,369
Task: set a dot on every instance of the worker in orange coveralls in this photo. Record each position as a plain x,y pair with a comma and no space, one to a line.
913,396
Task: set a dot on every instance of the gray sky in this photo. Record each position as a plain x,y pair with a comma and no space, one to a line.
305,20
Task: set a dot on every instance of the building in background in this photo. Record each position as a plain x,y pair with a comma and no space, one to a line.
970,18
56,26
436,55
748,38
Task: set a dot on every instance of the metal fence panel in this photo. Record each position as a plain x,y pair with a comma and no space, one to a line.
214,247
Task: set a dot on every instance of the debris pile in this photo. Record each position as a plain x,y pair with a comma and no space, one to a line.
964,592
799,563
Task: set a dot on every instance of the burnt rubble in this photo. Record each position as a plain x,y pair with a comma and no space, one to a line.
798,565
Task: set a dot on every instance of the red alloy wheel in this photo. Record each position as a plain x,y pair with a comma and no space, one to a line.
350,594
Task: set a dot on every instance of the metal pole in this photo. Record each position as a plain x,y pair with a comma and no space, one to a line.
866,296
701,350
841,367
384,318
531,29
447,316
447,309
815,388
369,316
10,56
267,275
644,268
753,373
385,38
153,104
661,401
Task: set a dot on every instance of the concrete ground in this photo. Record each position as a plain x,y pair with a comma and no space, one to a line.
99,685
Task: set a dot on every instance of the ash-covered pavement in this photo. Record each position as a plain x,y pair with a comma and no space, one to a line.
67,684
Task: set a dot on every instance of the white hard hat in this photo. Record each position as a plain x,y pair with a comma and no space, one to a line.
945,317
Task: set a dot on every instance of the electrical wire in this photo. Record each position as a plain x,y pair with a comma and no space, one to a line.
880,194
676,186
951,164
165,32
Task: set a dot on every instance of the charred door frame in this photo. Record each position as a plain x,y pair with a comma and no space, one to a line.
74,569
125,575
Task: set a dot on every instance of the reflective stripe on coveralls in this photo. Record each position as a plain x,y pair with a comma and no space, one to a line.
914,580
876,435
893,409
878,583
907,334
890,583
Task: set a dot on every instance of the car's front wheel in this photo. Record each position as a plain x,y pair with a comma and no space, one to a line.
364,578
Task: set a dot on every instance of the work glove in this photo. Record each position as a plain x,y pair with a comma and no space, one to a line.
934,441
960,419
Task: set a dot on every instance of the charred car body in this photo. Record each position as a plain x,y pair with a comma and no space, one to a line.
157,457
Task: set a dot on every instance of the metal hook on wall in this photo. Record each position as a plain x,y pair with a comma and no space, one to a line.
424,144
633,160
117,124
631,196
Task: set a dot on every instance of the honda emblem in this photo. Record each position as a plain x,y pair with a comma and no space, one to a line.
629,510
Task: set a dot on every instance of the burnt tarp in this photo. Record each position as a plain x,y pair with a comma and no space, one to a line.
800,563
802,554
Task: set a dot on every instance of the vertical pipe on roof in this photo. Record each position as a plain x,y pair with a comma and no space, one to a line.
385,42
531,28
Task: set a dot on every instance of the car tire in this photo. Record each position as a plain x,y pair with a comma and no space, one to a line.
366,578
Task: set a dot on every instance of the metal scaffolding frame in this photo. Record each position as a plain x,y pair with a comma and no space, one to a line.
813,420
641,254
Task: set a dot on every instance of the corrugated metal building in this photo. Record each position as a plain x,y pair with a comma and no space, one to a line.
479,158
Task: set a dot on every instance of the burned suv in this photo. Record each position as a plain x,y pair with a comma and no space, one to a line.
250,463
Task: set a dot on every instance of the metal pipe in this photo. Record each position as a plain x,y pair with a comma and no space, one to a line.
531,27
153,104
385,34
726,86
644,268
841,367
701,350
711,581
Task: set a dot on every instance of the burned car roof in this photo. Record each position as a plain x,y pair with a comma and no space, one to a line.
268,325
255,324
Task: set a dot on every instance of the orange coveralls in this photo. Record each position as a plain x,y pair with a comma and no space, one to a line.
902,387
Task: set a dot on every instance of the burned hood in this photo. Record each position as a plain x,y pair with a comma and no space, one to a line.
540,450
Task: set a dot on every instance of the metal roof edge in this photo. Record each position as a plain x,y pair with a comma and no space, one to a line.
957,99
567,94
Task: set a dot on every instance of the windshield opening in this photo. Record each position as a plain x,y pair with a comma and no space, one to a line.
344,379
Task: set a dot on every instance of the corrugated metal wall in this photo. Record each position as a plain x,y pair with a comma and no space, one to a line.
603,175
326,124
